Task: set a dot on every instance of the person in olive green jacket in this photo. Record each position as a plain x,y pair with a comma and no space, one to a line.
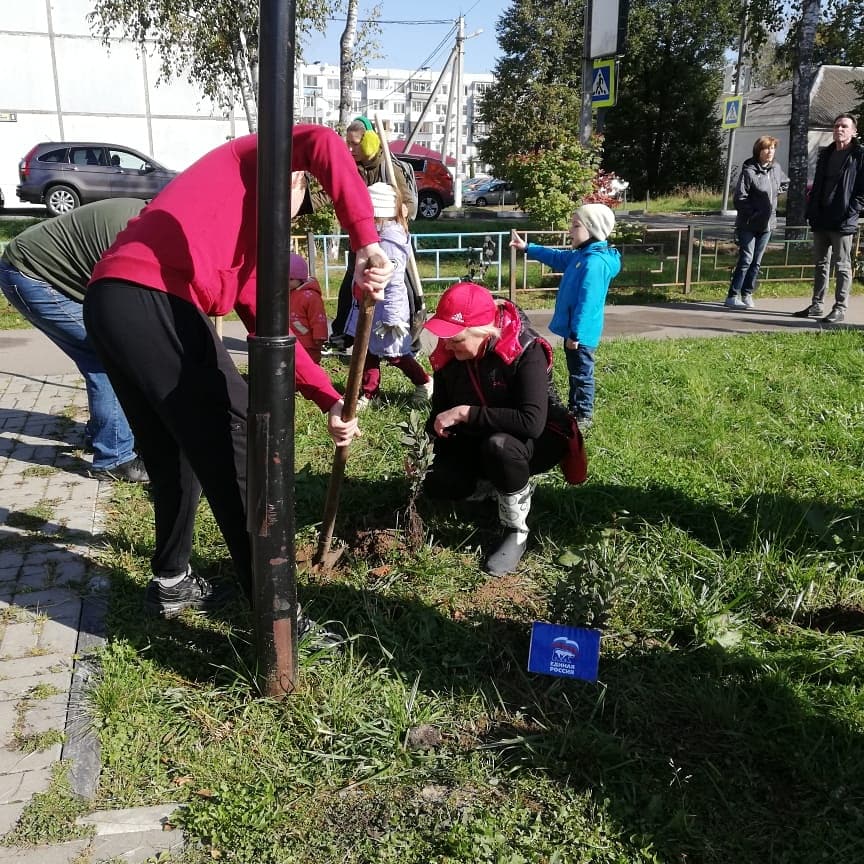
44,273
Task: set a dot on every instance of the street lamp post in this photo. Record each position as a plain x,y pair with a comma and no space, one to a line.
270,487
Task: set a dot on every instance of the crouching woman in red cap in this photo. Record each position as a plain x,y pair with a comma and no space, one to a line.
496,418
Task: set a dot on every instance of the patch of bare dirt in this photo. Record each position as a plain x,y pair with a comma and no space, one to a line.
501,597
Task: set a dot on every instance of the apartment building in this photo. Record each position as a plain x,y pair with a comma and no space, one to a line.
399,97
59,82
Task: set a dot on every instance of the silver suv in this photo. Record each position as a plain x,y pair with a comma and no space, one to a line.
65,174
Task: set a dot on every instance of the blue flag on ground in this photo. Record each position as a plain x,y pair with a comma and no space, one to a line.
568,652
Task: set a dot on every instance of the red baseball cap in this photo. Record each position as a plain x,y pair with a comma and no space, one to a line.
462,305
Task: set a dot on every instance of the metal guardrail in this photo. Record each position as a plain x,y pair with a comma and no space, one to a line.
665,257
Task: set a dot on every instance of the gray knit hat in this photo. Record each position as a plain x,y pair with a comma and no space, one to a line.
598,219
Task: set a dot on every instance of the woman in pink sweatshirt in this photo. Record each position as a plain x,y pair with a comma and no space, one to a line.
192,253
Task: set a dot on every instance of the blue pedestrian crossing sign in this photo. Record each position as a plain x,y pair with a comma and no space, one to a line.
603,93
733,108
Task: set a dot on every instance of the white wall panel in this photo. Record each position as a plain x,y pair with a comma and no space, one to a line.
30,16
68,16
91,79
35,90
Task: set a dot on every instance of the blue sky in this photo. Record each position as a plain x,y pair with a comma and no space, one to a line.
409,46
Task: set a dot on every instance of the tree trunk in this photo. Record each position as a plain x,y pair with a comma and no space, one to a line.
346,63
248,92
802,79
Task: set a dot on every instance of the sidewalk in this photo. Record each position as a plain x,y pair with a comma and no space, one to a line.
52,604
28,352
52,593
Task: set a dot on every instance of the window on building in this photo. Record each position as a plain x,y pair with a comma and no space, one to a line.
398,107
333,84
417,107
310,80
375,83
399,127
356,105
481,87
421,86
377,105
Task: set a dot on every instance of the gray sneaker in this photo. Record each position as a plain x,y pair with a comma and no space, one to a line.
733,301
814,310
835,316
747,300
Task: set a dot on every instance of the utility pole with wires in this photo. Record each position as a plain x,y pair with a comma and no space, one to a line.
454,101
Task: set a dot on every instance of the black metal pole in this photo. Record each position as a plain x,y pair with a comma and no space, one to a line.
270,502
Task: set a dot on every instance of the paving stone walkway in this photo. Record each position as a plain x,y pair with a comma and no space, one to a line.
52,601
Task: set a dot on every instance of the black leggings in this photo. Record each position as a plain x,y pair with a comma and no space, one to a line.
186,403
506,462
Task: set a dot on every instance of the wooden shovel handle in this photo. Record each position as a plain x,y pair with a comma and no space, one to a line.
349,412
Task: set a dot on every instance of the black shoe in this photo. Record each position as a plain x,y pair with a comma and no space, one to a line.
507,556
191,592
132,471
338,344
835,316
814,310
316,637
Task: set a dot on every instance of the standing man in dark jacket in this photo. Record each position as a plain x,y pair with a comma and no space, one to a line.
836,199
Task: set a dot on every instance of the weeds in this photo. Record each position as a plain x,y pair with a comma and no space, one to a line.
716,544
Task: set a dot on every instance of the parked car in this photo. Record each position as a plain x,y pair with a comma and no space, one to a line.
434,184
2,200
65,174
493,192
473,182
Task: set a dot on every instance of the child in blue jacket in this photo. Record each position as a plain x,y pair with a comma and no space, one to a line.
588,270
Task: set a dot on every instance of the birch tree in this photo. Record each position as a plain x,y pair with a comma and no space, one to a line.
212,43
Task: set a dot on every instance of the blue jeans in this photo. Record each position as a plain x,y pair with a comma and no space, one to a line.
61,320
580,365
751,248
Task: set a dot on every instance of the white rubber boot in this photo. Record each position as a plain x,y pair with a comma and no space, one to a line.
513,514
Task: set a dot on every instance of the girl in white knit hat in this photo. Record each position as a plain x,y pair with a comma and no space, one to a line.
588,269
391,321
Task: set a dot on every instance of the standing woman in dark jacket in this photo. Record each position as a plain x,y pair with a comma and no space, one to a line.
761,181
496,419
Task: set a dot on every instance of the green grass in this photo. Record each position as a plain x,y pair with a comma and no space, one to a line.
646,266
690,200
717,544
9,228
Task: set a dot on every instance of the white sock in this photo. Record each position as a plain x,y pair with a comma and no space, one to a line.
171,581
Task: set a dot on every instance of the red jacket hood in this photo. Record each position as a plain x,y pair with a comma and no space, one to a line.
509,346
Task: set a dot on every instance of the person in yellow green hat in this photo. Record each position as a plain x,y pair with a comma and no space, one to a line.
368,154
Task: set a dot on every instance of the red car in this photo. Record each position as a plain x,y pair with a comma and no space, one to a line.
434,184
